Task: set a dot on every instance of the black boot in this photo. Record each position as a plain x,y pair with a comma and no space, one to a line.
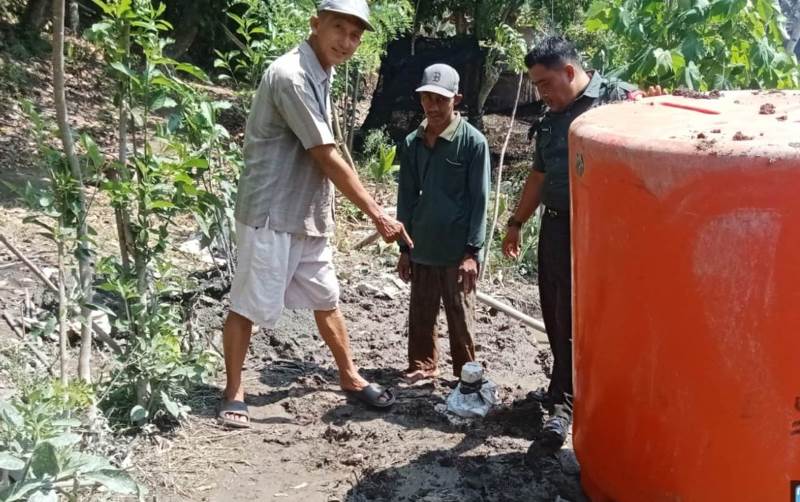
554,432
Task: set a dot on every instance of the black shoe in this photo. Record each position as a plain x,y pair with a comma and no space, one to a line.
554,433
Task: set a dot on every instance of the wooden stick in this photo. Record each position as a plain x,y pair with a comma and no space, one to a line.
39,356
366,241
529,321
342,143
36,270
101,334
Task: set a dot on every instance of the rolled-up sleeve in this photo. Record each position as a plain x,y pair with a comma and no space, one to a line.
302,110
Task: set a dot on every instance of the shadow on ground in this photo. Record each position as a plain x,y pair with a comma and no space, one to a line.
447,476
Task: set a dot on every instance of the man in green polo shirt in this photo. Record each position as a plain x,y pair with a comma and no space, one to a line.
569,91
442,198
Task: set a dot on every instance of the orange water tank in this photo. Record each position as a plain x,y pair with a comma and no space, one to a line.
686,267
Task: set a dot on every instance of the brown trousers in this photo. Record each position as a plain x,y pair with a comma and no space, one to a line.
430,287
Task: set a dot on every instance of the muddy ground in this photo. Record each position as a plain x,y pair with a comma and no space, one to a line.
307,442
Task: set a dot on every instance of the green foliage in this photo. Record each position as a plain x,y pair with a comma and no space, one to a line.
13,76
181,164
55,201
55,198
152,384
390,18
527,262
509,47
41,446
382,168
265,31
379,156
700,44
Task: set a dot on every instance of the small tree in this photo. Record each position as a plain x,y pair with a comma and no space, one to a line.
512,48
700,44
85,268
170,164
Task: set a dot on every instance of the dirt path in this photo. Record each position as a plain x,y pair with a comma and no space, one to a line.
309,444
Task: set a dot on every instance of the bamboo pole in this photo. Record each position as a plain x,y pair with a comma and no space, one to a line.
529,321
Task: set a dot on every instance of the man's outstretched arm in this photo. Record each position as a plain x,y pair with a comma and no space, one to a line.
345,179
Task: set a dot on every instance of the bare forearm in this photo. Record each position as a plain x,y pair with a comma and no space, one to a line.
530,198
345,180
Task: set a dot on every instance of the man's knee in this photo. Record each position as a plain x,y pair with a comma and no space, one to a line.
236,324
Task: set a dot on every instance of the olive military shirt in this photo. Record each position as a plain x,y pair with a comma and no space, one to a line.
552,131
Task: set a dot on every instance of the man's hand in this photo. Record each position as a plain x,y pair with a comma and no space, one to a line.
468,273
391,230
404,267
511,243
654,90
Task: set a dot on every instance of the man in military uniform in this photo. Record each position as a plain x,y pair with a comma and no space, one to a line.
568,91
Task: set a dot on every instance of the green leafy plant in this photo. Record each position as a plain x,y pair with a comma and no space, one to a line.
379,156
180,163
59,213
699,44
41,447
263,31
157,376
382,168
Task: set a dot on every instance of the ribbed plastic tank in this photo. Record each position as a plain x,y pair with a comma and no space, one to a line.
686,268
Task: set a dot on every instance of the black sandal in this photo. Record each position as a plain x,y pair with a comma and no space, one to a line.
237,408
373,395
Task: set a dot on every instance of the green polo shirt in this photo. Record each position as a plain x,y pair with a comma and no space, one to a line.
443,193
552,131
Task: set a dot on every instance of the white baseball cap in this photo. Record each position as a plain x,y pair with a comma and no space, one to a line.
355,8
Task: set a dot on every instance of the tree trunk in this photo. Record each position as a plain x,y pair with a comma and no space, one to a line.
337,132
415,28
123,222
793,28
488,244
490,75
186,31
84,260
34,16
74,18
351,125
62,314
